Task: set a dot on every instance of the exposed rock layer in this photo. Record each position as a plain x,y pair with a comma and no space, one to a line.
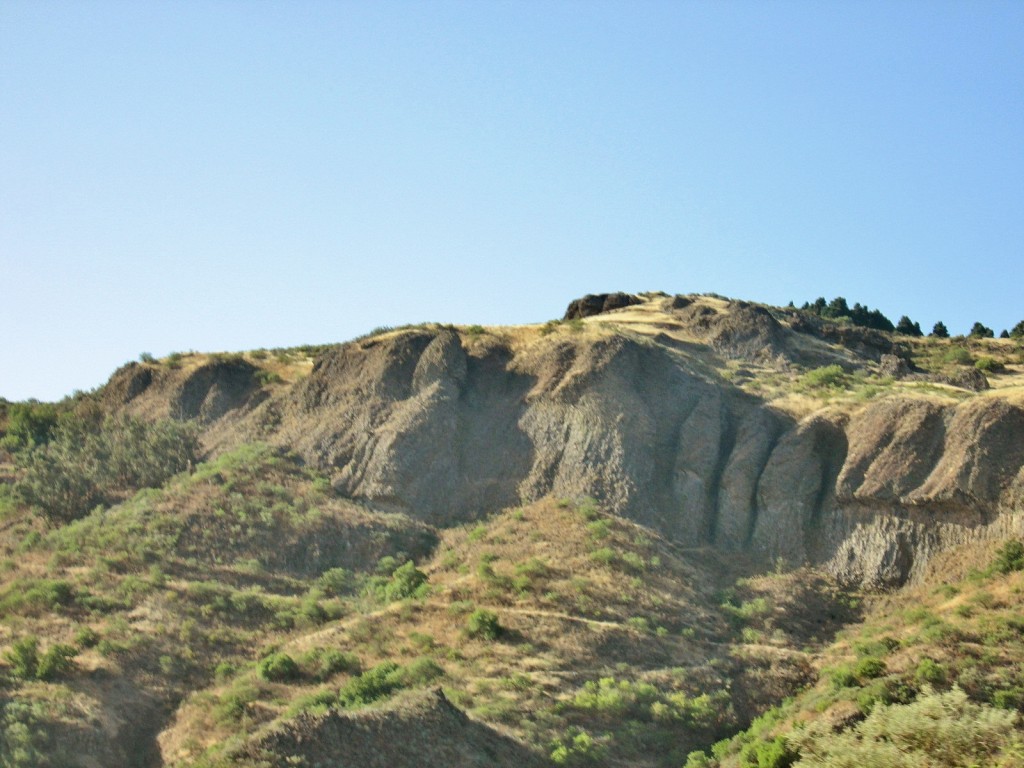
447,428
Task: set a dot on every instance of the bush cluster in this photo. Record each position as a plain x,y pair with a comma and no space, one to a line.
82,465
28,664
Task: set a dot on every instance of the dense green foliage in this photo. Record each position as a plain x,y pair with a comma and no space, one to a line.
81,465
908,327
483,624
29,425
385,679
860,315
938,728
980,331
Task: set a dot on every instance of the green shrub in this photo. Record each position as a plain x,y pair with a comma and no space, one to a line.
420,672
233,703
930,671
483,624
56,662
769,754
842,677
550,327
826,377
279,668
265,377
316,703
406,581
748,610
375,683
639,623
613,698
1009,698
86,637
1009,557
633,562
604,555
24,657
599,529
937,729
323,663
224,671
587,507
29,425
83,466
576,748
335,581
958,356
532,568
869,668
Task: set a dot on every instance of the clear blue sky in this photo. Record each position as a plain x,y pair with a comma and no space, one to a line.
233,175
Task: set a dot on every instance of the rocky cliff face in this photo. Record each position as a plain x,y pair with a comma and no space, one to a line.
632,410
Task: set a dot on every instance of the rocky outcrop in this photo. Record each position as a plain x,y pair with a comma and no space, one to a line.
213,389
599,303
866,343
128,382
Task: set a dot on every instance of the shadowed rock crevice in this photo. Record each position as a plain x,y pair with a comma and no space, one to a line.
214,389
757,435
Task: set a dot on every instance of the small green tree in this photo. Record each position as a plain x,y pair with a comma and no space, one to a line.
1017,332
56,662
406,581
24,657
279,668
483,624
939,330
907,327
29,424
375,683
1009,557
979,331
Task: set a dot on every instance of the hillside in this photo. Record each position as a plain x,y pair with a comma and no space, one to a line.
615,539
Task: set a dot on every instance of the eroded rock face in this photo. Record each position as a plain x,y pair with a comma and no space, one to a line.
213,389
448,428
127,383
796,488
418,422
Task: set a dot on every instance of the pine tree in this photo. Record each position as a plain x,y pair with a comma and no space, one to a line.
907,327
980,331
939,330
